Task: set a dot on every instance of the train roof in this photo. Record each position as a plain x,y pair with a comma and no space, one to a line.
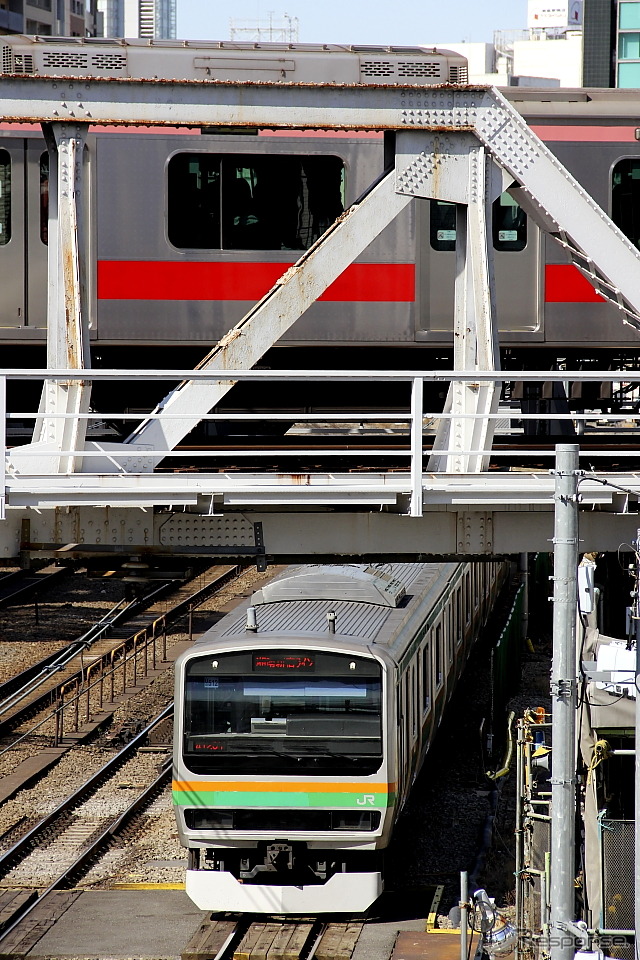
587,104
185,60
384,585
306,594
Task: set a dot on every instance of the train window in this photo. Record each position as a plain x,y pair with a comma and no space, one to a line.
625,198
467,590
442,235
438,653
251,713
414,703
426,677
44,197
252,202
5,197
509,224
459,627
508,218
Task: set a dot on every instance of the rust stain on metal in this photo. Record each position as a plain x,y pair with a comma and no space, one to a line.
228,339
278,84
296,479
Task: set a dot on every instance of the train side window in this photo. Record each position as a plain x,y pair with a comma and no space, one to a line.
438,653
625,198
5,197
509,224
414,703
426,677
252,201
442,227
44,197
467,591
459,626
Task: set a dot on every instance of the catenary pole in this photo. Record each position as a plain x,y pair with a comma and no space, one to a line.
564,698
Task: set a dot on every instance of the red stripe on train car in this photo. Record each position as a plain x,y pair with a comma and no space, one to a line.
153,280
587,132
565,284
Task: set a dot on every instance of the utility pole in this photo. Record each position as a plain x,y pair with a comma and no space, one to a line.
564,701
636,610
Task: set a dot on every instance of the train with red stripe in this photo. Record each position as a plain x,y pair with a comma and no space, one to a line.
188,227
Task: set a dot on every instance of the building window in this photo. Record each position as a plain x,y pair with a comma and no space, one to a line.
41,4
5,197
38,29
629,15
628,45
252,202
625,198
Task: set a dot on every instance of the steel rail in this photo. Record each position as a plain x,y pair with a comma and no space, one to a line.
36,676
104,838
24,845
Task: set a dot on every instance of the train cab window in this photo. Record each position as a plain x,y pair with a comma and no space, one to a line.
252,202
44,197
302,711
442,228
5,197
509,224
625,198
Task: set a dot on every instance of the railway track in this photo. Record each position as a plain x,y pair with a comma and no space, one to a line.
273,939
19,586
61,847
41,686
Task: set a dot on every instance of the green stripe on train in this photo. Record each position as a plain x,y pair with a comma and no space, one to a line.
241,798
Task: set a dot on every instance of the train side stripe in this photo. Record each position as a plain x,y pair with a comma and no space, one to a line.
565,284
590,133
286,785
282,799
171,280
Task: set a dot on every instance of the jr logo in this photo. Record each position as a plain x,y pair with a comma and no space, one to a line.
366,799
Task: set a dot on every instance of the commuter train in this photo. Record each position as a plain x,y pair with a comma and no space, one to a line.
188,228
302,719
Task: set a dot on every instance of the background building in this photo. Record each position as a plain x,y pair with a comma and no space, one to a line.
611,43
153,19
547,53
49,18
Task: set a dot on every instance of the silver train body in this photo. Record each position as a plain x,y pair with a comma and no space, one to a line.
302,720
188,228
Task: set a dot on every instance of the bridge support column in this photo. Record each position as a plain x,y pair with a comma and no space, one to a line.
67,333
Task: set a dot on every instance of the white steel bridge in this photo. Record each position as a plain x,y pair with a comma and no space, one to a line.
66,492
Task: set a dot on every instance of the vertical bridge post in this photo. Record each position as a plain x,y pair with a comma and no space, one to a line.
67,318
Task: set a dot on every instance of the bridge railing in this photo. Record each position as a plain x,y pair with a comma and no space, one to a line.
400,468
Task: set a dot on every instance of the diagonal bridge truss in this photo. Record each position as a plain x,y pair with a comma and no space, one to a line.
465,145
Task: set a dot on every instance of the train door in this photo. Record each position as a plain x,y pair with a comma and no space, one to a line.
517,250
37,216
12,236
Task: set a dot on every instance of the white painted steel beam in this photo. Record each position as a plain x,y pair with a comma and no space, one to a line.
310,534
67,318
